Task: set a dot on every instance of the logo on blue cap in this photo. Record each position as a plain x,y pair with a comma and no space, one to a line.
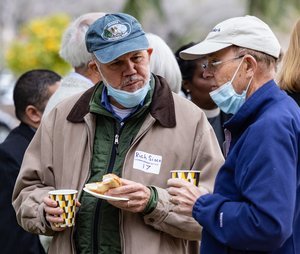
116,30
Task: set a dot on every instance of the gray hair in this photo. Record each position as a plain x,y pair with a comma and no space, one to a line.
267,60
73,49
163,62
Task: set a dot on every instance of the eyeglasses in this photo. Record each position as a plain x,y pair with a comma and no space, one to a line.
212,66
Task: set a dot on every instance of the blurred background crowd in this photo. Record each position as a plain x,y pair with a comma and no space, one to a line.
31,30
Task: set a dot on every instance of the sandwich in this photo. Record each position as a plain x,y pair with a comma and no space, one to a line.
109,181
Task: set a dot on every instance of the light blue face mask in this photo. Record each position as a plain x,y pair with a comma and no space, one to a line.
128,99
226,97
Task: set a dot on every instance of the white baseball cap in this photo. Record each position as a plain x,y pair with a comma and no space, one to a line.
247,32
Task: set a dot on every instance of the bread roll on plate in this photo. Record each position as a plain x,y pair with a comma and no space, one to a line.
109,181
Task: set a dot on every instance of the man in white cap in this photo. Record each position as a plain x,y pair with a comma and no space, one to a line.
255,206
130,124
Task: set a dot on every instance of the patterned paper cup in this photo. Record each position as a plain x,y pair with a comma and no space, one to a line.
192,176
66,199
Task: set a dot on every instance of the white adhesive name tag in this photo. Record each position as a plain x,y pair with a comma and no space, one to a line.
147,162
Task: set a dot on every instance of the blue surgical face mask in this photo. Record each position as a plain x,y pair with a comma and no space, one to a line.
127,99
226,97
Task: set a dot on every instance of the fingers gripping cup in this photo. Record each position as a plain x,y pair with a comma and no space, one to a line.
66,199
192,176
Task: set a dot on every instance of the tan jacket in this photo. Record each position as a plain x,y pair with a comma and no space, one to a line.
60,154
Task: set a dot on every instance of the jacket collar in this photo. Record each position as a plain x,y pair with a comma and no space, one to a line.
253,106
162,106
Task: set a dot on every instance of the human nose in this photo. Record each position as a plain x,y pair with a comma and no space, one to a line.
207,73
129,68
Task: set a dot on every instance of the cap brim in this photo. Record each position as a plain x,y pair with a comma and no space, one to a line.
203,48
110,53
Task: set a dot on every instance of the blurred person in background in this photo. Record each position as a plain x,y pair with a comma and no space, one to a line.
31,94
130,124
255,206
73,50
197,88
163,62
289,75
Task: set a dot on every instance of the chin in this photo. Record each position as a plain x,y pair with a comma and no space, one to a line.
133,87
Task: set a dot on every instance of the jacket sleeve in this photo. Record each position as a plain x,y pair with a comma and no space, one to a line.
206,156
260,217
163,219
33,183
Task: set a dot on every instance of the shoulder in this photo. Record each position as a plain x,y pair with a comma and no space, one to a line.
189,117
16,142
77,82
283,110
19,135
186,107
10,155
280,118
70,86
64,107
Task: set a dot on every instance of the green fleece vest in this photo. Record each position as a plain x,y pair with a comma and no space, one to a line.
97,222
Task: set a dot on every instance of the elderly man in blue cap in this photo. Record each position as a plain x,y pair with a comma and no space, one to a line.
255,206
129,124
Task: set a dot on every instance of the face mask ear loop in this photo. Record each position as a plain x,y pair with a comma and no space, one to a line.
248,85
233,77
103,78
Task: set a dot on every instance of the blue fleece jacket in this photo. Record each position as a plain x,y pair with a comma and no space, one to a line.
255,207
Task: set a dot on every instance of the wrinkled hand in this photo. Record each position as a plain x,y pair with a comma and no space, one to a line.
137,194
53,212
184,195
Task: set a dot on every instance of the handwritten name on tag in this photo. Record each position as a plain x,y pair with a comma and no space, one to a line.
147,162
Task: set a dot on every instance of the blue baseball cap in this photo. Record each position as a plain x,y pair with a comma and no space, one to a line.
114,35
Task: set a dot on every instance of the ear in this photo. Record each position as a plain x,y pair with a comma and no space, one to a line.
186,86
92,66
33,116
251,65
150,50
93,72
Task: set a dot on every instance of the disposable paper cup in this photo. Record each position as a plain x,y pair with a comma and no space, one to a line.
66,199
192,176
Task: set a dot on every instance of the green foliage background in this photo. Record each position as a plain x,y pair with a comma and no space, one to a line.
38,44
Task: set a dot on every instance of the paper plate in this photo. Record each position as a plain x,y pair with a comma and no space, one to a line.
97,195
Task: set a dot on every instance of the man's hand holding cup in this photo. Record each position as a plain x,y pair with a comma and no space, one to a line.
185,190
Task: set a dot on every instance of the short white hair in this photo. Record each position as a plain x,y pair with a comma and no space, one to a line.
73,49
164,63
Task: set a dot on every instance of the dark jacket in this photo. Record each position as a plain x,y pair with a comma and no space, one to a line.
13,238
218,125
255,207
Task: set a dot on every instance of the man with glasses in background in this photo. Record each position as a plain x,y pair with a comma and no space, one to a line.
255,205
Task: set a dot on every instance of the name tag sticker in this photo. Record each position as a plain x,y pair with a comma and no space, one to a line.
147,162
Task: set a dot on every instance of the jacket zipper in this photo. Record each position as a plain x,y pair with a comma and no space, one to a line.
117,132
132,143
